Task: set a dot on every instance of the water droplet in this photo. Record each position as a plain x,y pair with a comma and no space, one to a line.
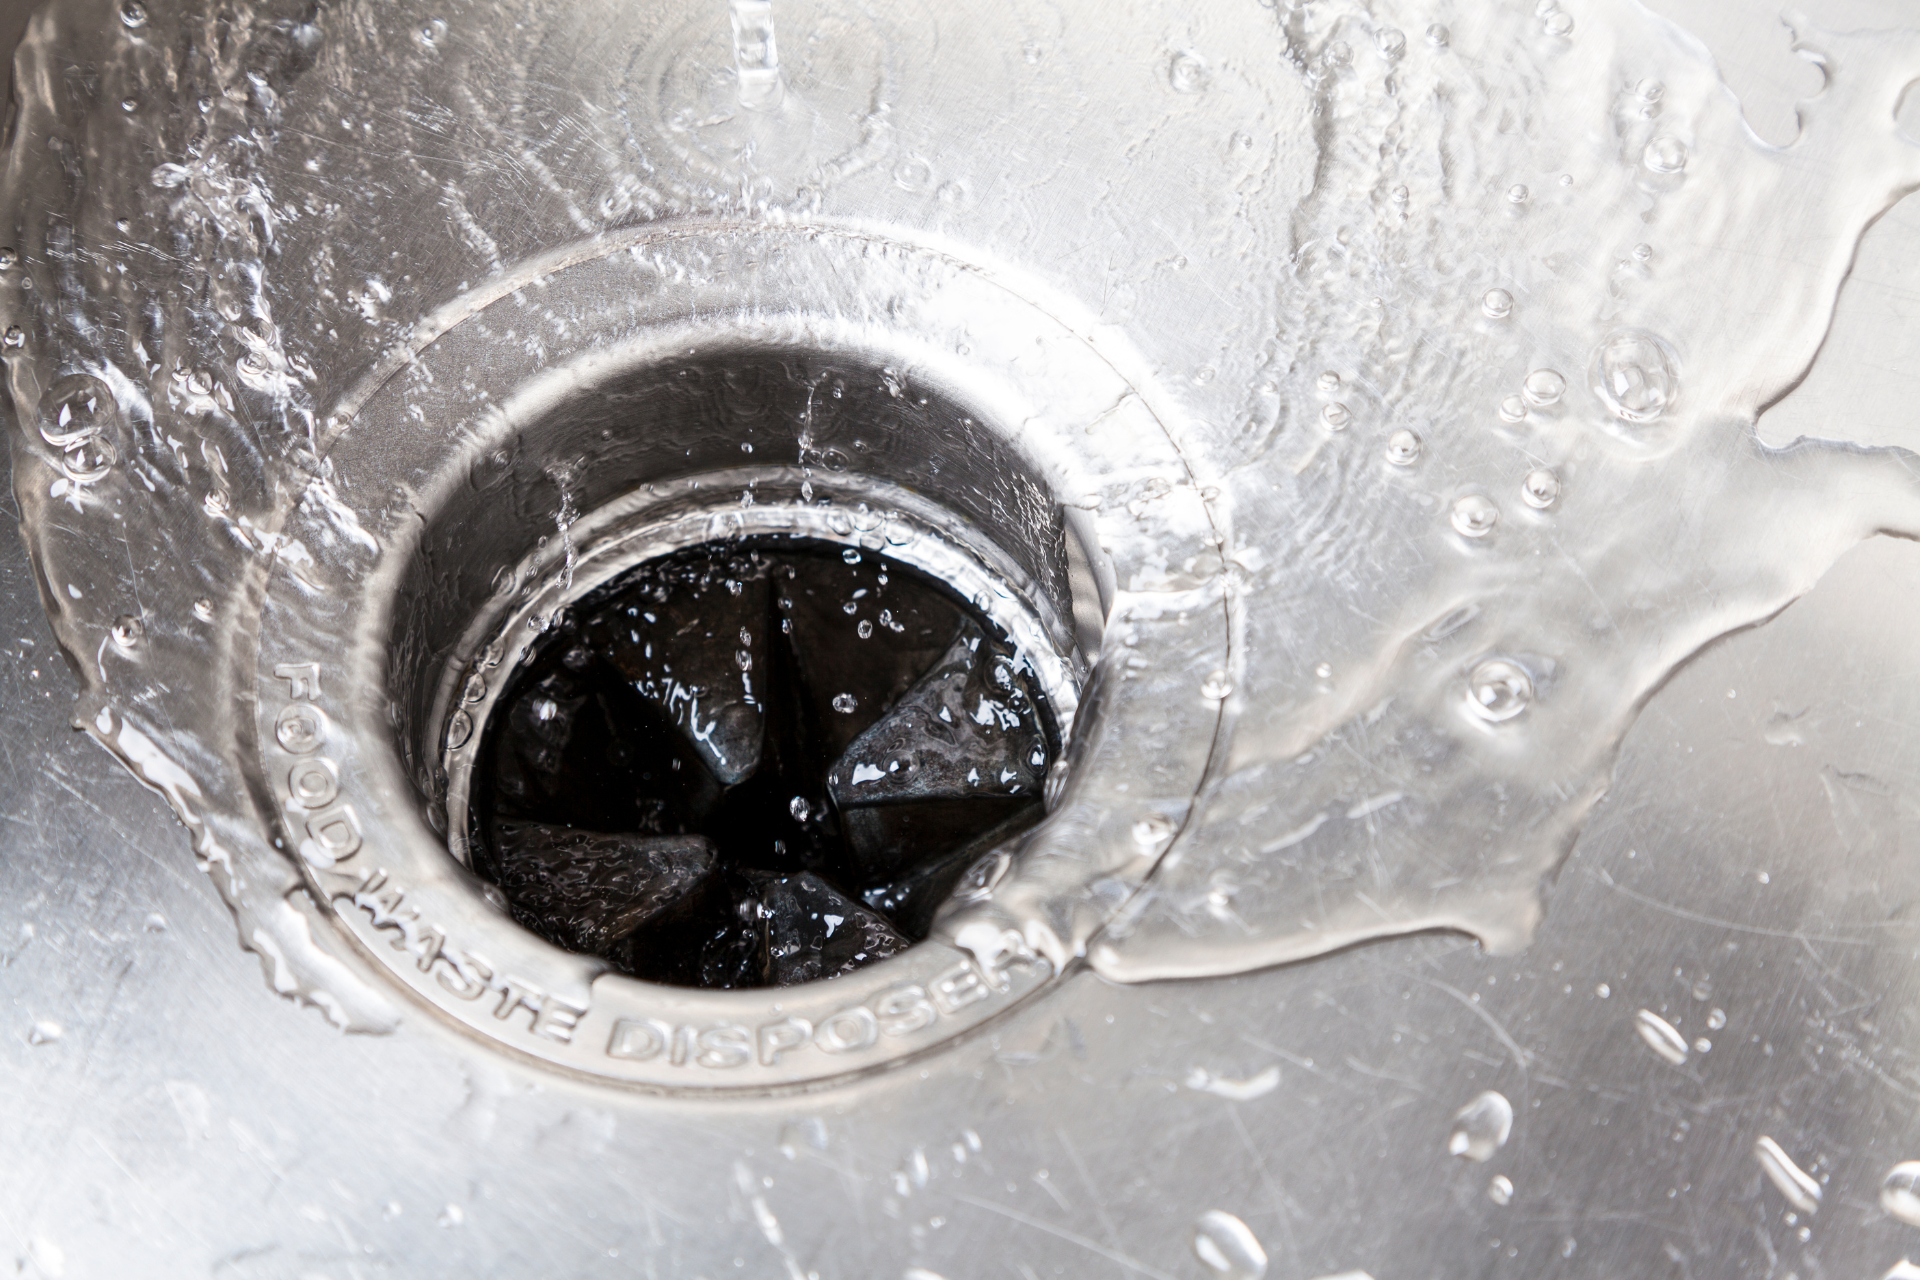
1544,387
1632,373
200,382
1795,1183
1499,690
1481,1127
1187,72
1665,154
1324,671
1227,1247
1541,489
1338,54
1392,42
129,105
16,336
133,14
1716,1019
203,609
865,629
1900,1192
845,703
1328,382
1603,990
1438,36
1650,90
1401,195
1336,416
1660,1036
8,259
850,555
45,1031
1474,515
1500,1190
1518,193
459,730
1403,448
1642,252
1702,1045
128,631
1216,686
1513,409
1497,304
1558,23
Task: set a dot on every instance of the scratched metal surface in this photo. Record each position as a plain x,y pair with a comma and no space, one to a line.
166,1114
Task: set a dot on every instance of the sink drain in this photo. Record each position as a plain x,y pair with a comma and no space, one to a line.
723,874
755,763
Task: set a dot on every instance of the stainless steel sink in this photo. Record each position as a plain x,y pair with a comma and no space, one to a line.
1426,456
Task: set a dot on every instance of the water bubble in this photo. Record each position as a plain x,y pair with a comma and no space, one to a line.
1541,489
1336,416
1660,1036
1650,90
1632,373
129,105
1216,686
1665,154
1497,304
1716,1019
1328,382
1481,1127
865,629
1323,671
203,609
1403,448
1642,252
1500,1190
1513,409
1392,42
1338,54
1603,990
89,460
845,703
1474,515
1499,690
1558,23
1518,193
799,808
78,408
1900,1192
128,631
1793,1182
850,556
200,382
8,259
1227,1247
459,730
16,336
133,14
1438,36
1187,72
1401,195
1544,387
1702,1045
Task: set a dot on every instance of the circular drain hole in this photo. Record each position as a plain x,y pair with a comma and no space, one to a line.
754,762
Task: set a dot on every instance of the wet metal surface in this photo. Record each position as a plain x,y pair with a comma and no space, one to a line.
1705,1062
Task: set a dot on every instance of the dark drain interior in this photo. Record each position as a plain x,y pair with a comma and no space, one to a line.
755,763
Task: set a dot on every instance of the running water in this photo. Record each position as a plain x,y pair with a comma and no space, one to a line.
1500,302
1596,279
